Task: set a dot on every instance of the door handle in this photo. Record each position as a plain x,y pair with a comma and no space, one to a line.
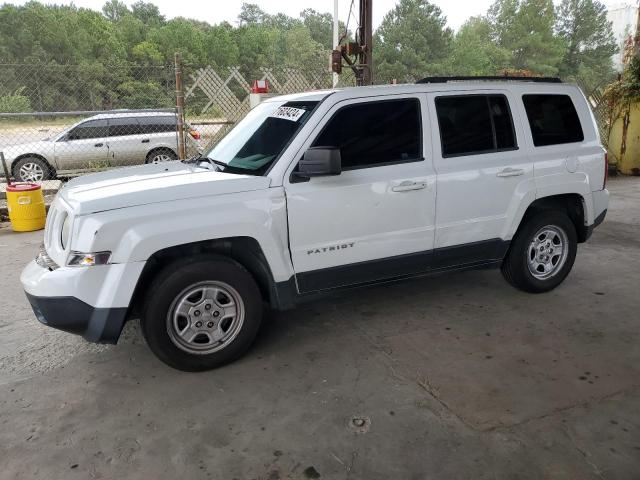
510,172
146,140
408,185
99,145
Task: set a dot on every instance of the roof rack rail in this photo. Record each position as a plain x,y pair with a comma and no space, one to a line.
489,78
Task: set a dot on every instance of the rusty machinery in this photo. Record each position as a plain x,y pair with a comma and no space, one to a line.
357,54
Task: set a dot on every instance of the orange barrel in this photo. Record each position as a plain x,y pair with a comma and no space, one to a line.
25,203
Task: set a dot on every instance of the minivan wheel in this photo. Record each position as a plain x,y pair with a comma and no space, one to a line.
161,155
32,169
542,252
202,313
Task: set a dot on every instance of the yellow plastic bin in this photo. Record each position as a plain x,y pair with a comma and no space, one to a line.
25,203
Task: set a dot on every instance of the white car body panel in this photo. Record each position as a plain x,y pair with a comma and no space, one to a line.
368,220
152,183
473,201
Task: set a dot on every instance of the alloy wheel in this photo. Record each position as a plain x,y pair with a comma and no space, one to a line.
547,252
206,317
31,172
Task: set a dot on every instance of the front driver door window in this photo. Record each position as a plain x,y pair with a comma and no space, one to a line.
83,147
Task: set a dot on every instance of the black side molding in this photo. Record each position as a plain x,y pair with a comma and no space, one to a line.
487,252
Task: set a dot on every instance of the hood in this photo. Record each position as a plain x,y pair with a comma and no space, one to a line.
152,183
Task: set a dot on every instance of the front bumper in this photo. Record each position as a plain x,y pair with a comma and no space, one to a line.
88,301
100,325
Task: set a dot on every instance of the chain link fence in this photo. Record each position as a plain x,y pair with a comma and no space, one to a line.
61,121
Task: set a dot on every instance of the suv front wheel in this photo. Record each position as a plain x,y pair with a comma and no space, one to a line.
542,253
201,314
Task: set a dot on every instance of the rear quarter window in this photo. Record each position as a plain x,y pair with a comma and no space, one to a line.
553,119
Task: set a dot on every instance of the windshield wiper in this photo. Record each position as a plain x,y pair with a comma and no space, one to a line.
200,157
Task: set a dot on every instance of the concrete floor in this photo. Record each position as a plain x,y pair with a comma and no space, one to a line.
456,376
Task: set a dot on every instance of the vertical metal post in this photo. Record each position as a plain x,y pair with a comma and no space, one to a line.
366,23
336,38
180,107
4,167
365,37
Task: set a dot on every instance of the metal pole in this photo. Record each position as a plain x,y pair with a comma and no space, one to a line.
179,107
335,37
4,166
366,37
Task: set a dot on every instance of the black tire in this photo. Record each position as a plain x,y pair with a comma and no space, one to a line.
48,172
161,151
169,287
515,266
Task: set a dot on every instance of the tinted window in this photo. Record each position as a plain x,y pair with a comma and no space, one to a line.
369,134
474,124
160,124
90,129
505,138
553,119
124,126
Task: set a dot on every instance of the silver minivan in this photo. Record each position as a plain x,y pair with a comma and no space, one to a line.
101,141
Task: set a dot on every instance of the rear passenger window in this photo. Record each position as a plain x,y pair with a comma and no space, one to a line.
375,133
553,119
473,124
160,124
123,126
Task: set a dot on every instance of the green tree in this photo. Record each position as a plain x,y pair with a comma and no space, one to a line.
250,14
147,13
180,35
114,10
412,41
475,52
526,29
220,46
590,43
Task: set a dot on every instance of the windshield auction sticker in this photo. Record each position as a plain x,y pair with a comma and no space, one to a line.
288,113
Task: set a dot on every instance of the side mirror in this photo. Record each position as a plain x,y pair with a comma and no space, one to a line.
320,162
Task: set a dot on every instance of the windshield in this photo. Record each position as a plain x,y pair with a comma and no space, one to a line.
258,140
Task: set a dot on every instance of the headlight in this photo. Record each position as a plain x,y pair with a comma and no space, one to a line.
79,259
65,232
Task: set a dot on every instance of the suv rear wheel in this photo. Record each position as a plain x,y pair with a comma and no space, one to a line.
161,155
202,314
542,252
32,169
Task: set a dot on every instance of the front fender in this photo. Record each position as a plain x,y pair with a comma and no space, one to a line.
135,234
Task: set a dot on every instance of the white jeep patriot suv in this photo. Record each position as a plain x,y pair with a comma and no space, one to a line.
320,191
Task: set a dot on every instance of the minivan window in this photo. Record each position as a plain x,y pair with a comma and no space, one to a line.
474,124
89,129
124,126
553,119
375,133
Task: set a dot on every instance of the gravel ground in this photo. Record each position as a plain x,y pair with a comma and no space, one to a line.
455,376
